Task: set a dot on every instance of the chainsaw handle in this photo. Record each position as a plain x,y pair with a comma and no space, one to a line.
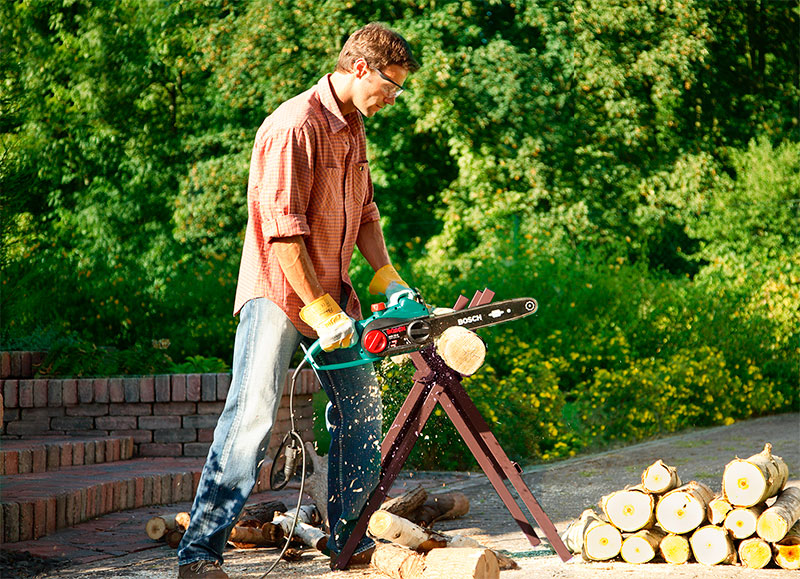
316,347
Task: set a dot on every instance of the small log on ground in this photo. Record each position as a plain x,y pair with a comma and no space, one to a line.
173,538
675,549
751,481
440,507
263,512
642,546
659,478
405,504
248,534
741,522
390,527
775,522
755,553
718,509
601,541
304,530
684,509
316,484
157,527
465,563
573,534
629,510
711,545
397,562
787,550
461,349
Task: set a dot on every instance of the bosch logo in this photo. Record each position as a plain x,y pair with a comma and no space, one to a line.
397,330
470,319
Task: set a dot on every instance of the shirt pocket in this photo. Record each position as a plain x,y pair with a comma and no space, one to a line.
361,182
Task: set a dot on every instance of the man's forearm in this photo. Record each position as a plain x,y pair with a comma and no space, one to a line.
297,267
372,245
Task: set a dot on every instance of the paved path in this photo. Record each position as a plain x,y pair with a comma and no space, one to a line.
115,546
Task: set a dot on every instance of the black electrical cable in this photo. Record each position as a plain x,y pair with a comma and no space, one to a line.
293,435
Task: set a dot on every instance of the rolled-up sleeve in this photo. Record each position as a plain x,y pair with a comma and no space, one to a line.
370,213
285,188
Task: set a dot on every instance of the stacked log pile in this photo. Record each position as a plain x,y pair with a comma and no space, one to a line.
753,521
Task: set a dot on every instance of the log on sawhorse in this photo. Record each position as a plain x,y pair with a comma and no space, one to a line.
436,383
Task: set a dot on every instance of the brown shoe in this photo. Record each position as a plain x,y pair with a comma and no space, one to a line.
204,569
357,560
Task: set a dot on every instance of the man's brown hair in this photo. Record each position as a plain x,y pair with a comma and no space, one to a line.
379,46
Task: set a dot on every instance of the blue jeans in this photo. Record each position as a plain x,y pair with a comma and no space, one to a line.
265,342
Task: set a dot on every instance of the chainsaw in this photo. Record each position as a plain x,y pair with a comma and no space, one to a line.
405,324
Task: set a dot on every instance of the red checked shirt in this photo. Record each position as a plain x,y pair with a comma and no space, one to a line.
308,176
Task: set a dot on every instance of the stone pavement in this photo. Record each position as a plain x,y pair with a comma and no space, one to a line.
115,546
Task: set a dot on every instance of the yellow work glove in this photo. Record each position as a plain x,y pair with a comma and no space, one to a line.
387,281
334,327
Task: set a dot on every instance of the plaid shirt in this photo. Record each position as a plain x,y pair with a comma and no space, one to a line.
309,176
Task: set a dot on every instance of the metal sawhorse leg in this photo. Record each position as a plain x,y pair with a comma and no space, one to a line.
435,383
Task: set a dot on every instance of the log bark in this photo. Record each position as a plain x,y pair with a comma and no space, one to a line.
642,546
755,553
461,349
573,534
659,478
280,526
440,507
601,541
390,527
316,484
629,510
684,509
751,481
405,504
711,545
775,522
741,522
263,512
675,549
249,535
718,509
787,550
464,563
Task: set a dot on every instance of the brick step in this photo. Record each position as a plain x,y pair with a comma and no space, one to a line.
51,453
38,504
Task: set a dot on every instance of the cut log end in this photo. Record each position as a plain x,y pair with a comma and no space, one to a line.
675,549
775,522
629,510
659,478
642,546
755,553
712,545
684,509
601,541
461,349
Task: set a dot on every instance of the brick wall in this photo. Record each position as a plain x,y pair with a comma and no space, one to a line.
167,415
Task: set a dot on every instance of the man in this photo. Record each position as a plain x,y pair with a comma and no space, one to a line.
310,202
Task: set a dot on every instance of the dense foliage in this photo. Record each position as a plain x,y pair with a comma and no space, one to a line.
632,164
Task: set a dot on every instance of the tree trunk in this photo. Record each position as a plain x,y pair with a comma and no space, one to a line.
157,527
405,504
658,478
397,562
573,534
741,522
755,553
601,541
173,538
775,522
684,509
463,563
712,546
787,550
746,483
718,509
675,549
642,546
461,349
629,510
440,507
390,527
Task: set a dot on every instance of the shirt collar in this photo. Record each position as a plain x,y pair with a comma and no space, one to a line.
336,119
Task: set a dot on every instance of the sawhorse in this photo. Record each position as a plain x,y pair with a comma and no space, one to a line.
436,383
